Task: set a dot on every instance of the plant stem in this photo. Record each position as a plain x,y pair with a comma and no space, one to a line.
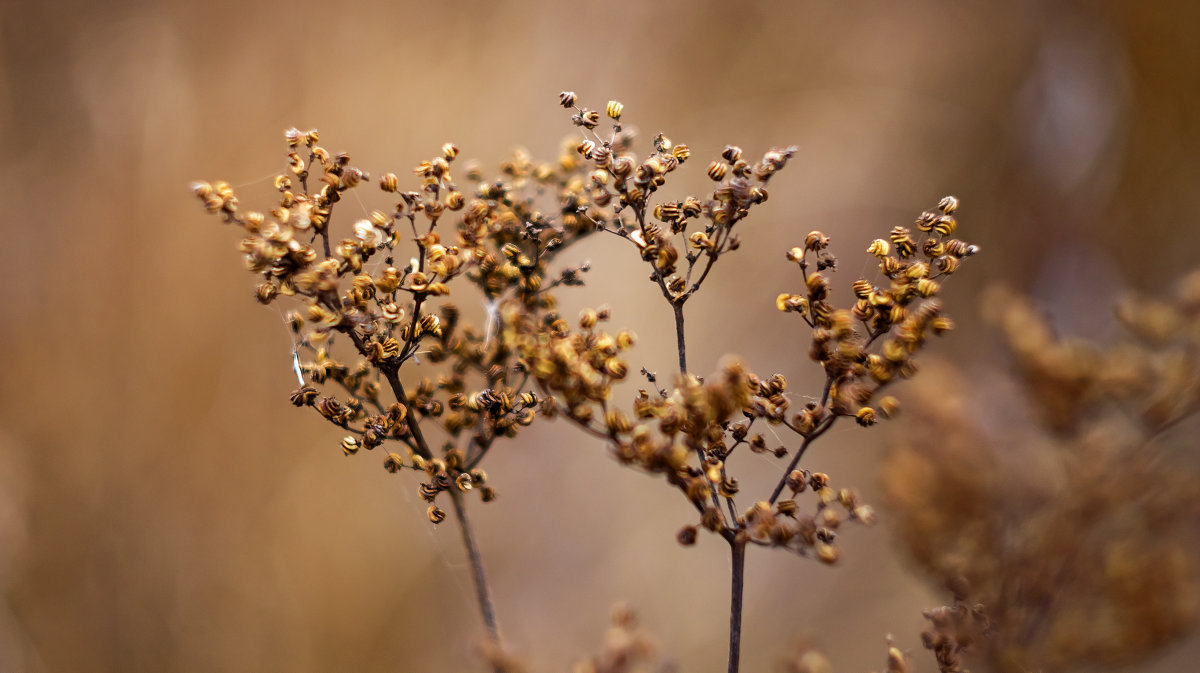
483,591
738,550
679,338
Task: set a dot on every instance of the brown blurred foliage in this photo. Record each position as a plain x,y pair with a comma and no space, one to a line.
161,508
1071,513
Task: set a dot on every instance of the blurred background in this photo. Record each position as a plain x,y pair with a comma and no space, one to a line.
162,506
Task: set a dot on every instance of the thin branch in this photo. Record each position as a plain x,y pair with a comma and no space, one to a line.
483,592
808,439
738,551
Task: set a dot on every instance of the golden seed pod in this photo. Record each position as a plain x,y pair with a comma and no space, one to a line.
945,225
391,348
449,151
879,248
816,241
616,369
827,553
717,171
625,339
393,462
435,514
293,136
865,514
795,254
732,154
617,422
391,312
588,318
941,325
389,182
487,494
894,351
728,488
613,109
830,519
419,463
567,99
948,204
266,292
464,482
863,288
865,416
889,406
797,481
947,264
700,241
350,445
585,148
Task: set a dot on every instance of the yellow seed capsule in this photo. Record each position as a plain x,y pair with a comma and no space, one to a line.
613,109
865,416
393,462
567,99
941,325
717,170
350,445
464,482
889,406
945,225
879,248
588,318
700,241
827,553
435,514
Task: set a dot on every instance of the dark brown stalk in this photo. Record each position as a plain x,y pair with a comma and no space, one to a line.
679,338
483,591
738,550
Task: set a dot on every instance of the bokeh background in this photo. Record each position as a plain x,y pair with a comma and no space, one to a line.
162,506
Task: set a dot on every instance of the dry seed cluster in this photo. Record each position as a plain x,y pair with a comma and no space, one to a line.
379,298
1076,526
364,314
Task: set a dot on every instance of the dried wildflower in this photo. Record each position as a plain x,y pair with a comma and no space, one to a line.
381,295
1089,558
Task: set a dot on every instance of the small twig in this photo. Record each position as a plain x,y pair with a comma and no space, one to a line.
483,592
738,551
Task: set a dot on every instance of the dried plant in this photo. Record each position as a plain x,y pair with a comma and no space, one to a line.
362,317
1076,524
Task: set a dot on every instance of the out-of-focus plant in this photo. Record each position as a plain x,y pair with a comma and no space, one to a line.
1076,522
